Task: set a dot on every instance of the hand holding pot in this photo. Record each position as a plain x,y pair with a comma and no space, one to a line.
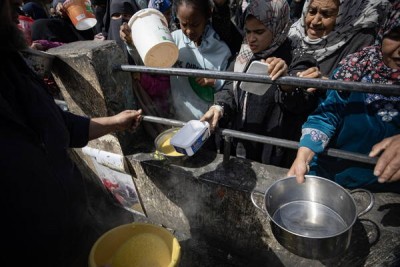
388,166
300,165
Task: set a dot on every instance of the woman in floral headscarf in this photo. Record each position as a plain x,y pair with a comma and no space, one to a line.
274,113
357,121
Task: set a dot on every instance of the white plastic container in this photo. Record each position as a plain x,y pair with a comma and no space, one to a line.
152,38
256,67
191,137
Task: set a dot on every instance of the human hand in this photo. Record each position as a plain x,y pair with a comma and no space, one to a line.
205,81
127,120
277,67
125,33
37,46
212,116
312,72
60,10
99,37
300,165
387,169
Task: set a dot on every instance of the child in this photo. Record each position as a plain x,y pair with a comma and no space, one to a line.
199,48
157,87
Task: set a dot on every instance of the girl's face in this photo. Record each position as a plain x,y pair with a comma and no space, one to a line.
391,49
258,36
192,22
321,18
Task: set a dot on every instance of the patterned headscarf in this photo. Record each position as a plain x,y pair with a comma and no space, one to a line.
353,16
160,5
274,14
368,66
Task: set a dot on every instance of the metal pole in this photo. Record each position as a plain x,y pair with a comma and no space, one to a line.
287,80
228,134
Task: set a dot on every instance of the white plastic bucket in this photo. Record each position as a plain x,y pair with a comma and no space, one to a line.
152,38
81,14
191,137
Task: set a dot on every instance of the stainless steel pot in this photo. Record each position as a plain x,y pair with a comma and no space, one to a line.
313,219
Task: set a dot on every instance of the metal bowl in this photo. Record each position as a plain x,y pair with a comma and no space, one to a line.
164,148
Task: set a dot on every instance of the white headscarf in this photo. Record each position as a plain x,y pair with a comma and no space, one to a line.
353,16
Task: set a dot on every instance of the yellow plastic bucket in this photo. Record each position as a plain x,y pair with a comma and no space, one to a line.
136,245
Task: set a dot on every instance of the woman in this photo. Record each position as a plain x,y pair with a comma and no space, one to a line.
356,121
331,29
275,113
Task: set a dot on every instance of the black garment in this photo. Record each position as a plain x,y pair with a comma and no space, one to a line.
59,30
363,38
296,7
120,7
99,12
227,26
274,114
43,199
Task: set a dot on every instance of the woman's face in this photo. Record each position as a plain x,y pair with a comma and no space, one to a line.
391,49
321,18
258,36
192,22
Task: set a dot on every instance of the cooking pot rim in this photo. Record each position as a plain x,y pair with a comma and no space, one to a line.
300,235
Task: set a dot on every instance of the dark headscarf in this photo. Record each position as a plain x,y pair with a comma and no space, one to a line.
121,7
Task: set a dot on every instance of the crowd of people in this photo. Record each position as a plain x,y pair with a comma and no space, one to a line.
347,40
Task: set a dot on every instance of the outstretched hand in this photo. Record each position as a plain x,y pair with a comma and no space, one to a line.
387,169
277,67
125,120
300,165
212,116
125,33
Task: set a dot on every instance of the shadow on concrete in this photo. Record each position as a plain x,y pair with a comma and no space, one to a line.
359,247
223,226
392,216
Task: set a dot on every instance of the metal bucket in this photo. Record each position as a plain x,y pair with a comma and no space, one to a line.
164,149
313,219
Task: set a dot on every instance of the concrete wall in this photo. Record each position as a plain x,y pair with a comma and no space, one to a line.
204,202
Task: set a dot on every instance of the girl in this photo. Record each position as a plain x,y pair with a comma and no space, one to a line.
275,113
199,48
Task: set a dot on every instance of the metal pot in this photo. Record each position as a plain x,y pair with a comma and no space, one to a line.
167,151
313,219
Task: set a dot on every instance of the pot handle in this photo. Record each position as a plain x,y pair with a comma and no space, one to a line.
254,200
371,197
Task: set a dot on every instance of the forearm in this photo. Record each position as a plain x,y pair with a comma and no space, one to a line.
101,126
305,154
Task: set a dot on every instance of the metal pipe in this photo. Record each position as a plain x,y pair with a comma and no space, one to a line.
286,80
228,134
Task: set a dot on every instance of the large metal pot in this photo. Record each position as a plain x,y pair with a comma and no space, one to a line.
313,219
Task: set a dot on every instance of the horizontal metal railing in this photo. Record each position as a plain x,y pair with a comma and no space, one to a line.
287,80
266,140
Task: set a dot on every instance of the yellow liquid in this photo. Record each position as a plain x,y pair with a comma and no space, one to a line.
167,149
143,250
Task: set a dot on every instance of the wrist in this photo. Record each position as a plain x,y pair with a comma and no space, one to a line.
219,109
